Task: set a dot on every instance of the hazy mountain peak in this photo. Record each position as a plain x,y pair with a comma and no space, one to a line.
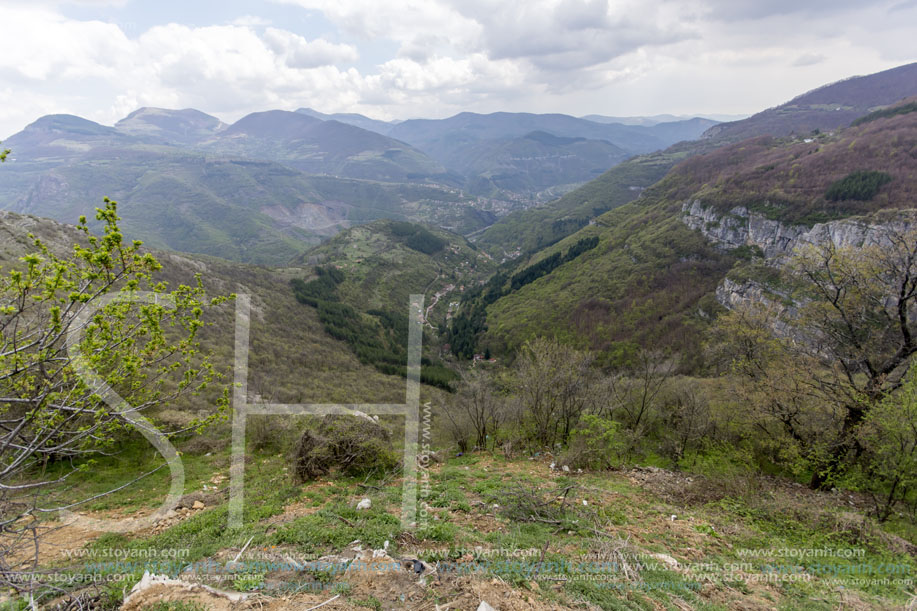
68,123
185,126
281,124
350,118
66,134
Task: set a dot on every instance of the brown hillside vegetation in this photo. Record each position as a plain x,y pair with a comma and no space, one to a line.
828,107
788,180
651,279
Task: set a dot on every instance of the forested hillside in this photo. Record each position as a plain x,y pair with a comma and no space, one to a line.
651,280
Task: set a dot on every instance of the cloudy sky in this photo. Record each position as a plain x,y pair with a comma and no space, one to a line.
397,59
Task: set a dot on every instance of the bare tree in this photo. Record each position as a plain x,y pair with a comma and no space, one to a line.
556,386
475,408
634,393
686,420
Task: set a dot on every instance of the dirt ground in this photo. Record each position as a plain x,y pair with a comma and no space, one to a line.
394,583
394,590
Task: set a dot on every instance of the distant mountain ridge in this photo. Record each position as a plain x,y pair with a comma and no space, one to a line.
652,281
533,162
59,137
322,147
352,118
827,107
458,142
434,136
179,188
485,149
538,227
649,121
172,166
187,126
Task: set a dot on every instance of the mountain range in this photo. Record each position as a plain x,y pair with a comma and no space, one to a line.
534,228
273,183
706,235
190,183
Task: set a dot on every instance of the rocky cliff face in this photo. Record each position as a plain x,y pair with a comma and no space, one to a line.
734,295
777,241
739,227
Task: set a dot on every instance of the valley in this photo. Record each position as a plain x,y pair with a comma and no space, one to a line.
660,362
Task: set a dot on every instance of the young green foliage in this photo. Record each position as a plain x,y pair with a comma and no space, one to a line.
78,334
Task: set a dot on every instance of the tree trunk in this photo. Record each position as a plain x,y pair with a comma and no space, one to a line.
846,443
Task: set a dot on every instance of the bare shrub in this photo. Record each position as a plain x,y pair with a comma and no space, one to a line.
475,412
457,424
353,445
686,420
532,504
635,394
269,432
556,385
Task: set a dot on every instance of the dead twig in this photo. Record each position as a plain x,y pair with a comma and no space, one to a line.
333,598
345,521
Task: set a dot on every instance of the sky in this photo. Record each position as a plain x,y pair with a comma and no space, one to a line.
400,59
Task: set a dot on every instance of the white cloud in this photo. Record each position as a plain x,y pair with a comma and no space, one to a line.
300,53
550,34
437,57
739,10
809,59
39,45
56,3
93,69
251,21
398,20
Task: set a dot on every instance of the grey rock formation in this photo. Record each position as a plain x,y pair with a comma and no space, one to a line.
778,241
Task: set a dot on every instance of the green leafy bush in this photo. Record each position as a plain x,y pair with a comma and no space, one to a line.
597,443
243,583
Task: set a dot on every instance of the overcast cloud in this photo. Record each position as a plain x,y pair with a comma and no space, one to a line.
406,58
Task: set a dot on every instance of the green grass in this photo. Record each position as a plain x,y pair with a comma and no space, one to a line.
706,534
335,526
132,458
